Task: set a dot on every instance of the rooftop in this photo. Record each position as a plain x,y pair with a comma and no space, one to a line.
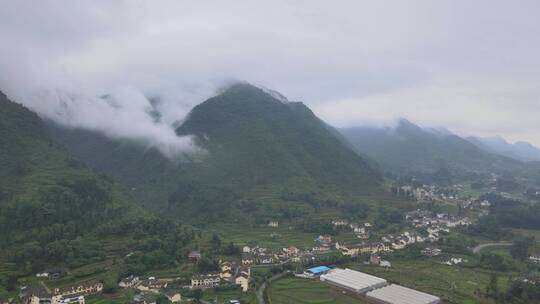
354,280
318,269
395,294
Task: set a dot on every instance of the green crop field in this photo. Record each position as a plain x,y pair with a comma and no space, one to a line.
304,291
227,295
279,237
116,298
453,284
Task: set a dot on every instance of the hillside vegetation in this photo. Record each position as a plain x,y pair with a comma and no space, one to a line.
54,211
251,141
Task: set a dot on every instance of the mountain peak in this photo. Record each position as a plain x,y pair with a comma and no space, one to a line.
245,90
405,123
406,127
252,135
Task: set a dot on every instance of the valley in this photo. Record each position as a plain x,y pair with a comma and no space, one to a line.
276,191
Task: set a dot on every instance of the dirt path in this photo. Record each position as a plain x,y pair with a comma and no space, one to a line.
479,248
260,291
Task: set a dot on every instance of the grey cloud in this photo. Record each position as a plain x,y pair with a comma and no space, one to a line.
469,66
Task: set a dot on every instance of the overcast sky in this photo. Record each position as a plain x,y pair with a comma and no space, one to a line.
470,66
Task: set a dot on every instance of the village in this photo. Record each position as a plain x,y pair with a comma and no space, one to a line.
423,227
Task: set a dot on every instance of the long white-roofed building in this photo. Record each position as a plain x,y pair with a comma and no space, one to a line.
353,280
396,294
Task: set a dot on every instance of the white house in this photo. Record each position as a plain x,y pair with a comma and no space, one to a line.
206,280
174,296
129,282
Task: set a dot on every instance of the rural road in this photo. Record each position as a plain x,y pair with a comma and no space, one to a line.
479,248
260,291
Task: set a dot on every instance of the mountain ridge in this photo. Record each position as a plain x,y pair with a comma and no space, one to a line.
252,140
520,150
412,150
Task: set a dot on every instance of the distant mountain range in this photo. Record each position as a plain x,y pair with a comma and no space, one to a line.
432,154
520,150
253,140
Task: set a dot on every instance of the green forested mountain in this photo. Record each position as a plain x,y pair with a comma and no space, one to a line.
42,187
429,154
520,150
54,211
251,140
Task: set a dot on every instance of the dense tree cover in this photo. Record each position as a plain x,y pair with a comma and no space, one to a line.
155,243
202,203
253,137
476,185
63,211
528,292
51,205
489,227
386,216
505,214
56,212
206,265
521,290
355,210
496,262
317,226
456,243
512,213
520,247
507,184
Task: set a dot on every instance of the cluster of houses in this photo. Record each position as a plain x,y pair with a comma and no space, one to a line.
353,250
432,224
230,272
41,294
148,289
264,256
361,230
422,218
431,251
475,204
402,240
52,274
435,223
431,192
257,256
455,261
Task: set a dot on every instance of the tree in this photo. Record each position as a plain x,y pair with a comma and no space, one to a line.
492,289
520,248
11,283
110,283
207,265
215,243
162,299
197,295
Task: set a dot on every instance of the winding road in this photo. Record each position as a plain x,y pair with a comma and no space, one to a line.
477,249
260,291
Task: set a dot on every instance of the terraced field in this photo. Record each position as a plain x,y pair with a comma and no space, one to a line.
304,291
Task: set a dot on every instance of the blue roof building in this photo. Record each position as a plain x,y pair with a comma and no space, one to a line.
319,270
